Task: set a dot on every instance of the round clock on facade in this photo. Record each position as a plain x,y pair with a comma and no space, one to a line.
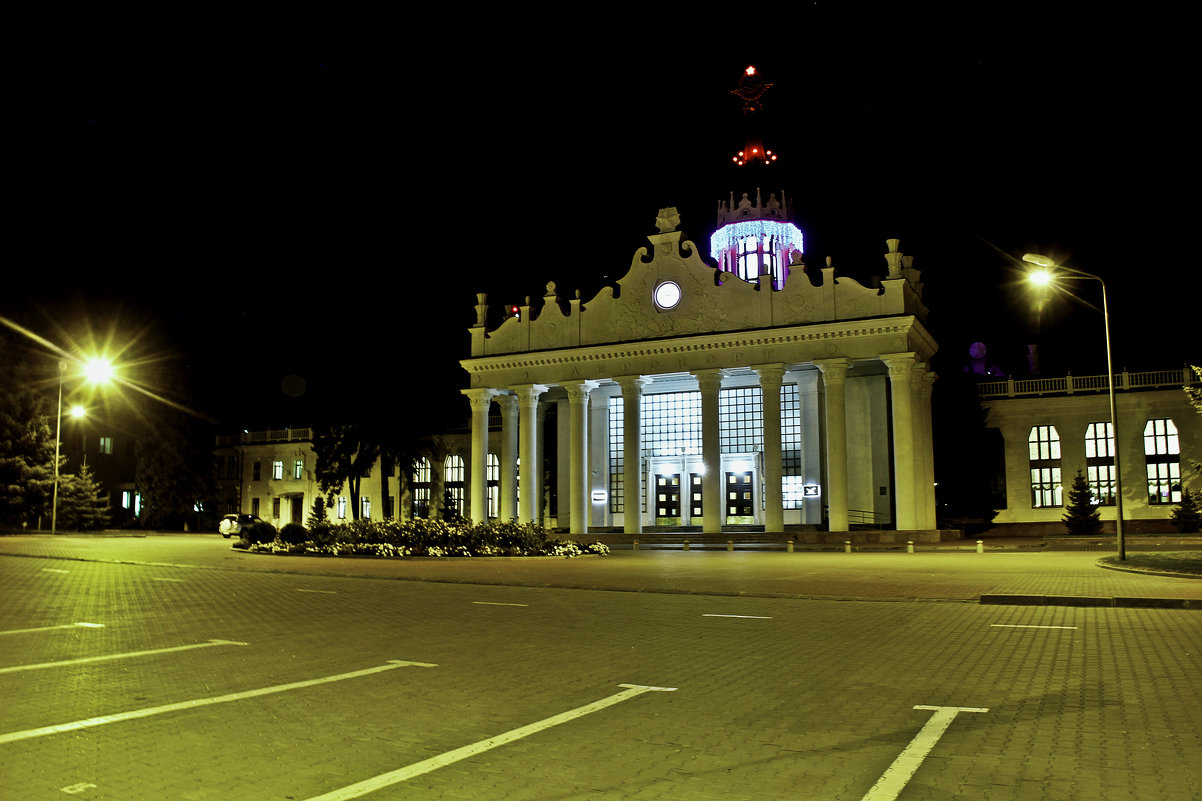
667,295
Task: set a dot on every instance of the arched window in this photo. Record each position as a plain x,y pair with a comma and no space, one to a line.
452,477
420,484
1043,446
493,478
1099,462
1162,455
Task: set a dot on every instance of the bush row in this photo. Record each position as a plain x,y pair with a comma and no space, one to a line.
418,537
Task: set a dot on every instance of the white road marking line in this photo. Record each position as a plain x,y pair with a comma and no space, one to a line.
323,592
1021,626
52,570
894,780
53,628
751,617
442,760
199,702
496,603
86,659
169,579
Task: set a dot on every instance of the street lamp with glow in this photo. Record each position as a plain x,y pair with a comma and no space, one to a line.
97,371
1045,277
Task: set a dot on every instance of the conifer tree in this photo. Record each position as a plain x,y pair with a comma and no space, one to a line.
1187,515
82,505
1081,516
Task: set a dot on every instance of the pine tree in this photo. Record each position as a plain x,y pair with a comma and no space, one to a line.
82,505
1187,515
1081,516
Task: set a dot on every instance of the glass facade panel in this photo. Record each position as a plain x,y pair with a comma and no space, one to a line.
741,420
1099,462
792,480
1162,457
1043,446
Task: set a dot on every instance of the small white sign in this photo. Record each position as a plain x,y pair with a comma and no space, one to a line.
599,496
810,491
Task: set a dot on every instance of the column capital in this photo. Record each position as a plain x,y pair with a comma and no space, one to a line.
709,379
507,401
902,365
833,369
770,374
528,393
578,390
480,398
633,383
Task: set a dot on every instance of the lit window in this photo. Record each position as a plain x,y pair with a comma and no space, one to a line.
298,468
1043,446
452,472
106,445
1162,456
277,470
420,484
365,508
341,508
493,477
1099,462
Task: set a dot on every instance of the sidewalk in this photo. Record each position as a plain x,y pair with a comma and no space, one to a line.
1013,572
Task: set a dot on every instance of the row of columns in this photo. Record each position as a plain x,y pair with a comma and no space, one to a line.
910,385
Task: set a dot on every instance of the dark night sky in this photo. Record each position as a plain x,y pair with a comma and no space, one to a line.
272,196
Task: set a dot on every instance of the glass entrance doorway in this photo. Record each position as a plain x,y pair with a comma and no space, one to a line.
740,497
667,499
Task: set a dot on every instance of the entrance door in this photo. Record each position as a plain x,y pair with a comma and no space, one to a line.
667,499
740,497
298,509
695,495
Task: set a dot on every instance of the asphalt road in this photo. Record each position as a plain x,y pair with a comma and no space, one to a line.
238,685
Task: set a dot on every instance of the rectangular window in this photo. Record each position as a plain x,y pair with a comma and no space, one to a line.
617,455
341,507
792,476
365,507
254,506
277,470
106,445
298,468
257,472
275,507
1043,452
741,420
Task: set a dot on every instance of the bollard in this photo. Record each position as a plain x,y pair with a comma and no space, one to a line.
636,545
730,545
686,545
909,546
847,546
790,546
980,546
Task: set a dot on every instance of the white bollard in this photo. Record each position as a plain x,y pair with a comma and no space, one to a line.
847,546
686,545
790,546
980,546
909,546
636,545
730,545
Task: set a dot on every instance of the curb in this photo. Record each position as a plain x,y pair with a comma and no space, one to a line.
1091,600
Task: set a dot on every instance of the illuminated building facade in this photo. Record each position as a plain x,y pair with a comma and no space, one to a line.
1052,427
708,397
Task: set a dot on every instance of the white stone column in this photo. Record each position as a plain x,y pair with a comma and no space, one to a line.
907,464
578,483
529,478
930,520
509,457
834,378
713,491
770,383
632,452
477,468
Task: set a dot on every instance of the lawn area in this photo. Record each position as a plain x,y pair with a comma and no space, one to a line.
1186,562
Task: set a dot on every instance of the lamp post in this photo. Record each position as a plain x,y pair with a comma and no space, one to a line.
97,371
1044,277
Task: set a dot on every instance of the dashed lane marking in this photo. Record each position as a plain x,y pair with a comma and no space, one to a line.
442,760
199,702
53,628
170,579
496,603
894,780
1021,626
126,655
750,617
323,592
52,570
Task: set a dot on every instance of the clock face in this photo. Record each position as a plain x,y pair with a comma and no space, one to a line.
667,295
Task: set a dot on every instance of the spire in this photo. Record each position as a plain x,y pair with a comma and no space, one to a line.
751,89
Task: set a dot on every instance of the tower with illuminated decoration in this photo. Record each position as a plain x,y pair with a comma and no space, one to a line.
755,238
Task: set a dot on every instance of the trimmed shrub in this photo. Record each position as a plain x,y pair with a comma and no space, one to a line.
259,531
293,534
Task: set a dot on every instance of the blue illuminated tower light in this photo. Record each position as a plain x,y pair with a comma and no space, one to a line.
755,238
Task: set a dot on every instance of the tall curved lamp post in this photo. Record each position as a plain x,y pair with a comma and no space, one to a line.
98,371
1043,277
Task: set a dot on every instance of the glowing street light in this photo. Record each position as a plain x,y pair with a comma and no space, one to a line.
1045,276
97,371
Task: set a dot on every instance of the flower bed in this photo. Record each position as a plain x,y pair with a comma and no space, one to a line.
401,538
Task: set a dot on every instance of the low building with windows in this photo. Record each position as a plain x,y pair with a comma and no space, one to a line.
689,396
1054,427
